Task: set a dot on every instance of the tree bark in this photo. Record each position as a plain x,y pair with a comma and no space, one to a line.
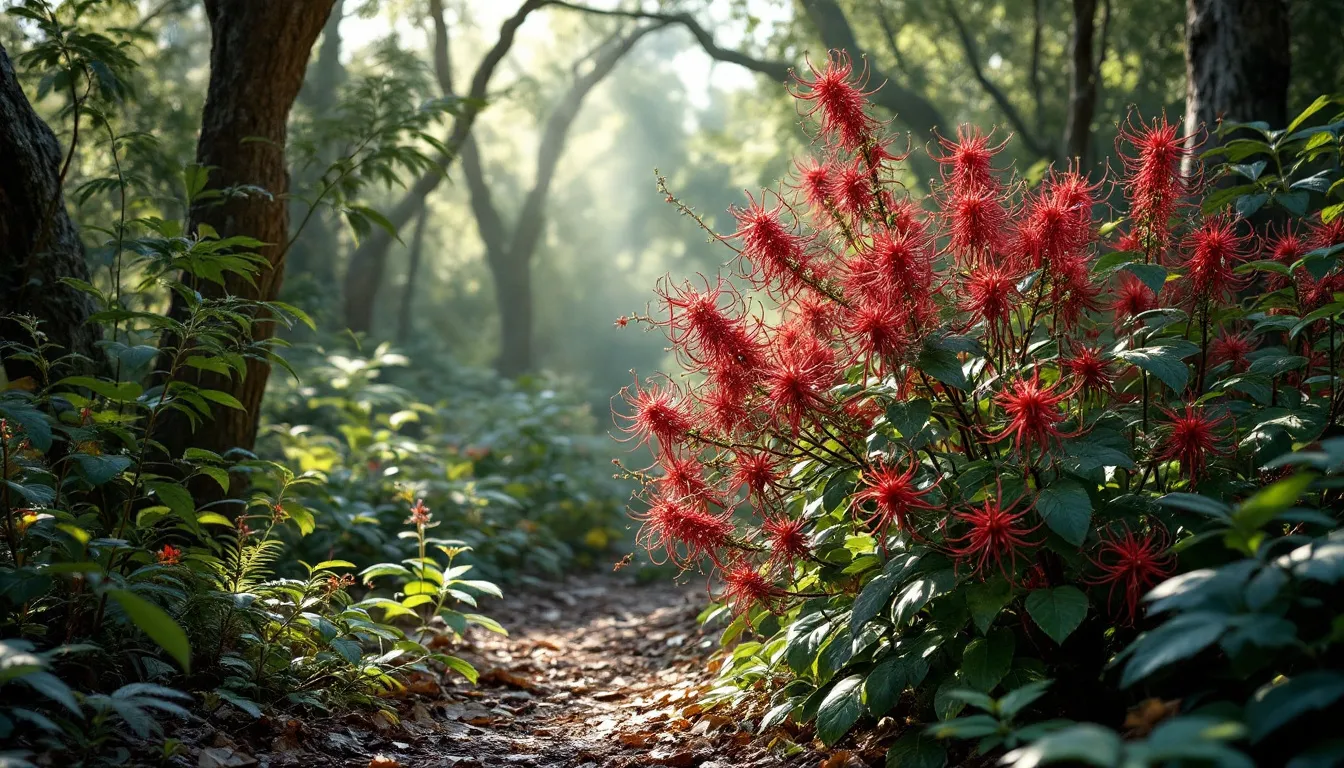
1083,77
1237,63
259,52
369,261
412,275
39,243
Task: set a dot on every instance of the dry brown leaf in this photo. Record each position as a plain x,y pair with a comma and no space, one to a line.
382,761
843,759
635,739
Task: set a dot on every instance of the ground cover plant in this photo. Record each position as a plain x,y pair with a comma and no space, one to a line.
939,451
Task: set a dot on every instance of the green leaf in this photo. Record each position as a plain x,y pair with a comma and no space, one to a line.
223,398
884,685
1066,509
871,600
1116,259
1164,360
1257,511
1080,743
1320,103
985,601
840,709
916,750
1151,275
155,622
1177,639
987,659
460,666
943,365
918,593
329,565
1276,706
1249,204
1293,202
123,392
1019,698
1057,611
909,418
101,469
176,498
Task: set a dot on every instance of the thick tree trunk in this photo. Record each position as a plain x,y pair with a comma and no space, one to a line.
1237,62
513,294
39,244
257,60
1082,82
412,275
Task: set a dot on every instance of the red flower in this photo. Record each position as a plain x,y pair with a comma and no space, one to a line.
895,264
1033,414
758,472
775,251
1214,250
1191,439
977,221
879,331
684,529
1090,371
1134,563
744,587
815,181
1132,297
419,514
843,107
683,478
710,330
991,297
894,496
169,555
1232,348
967,162
995,534
659,411
797,384
1154,181
1072,291
787,538
622,321
852,189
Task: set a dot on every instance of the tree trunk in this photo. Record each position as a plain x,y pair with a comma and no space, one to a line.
513,294
39,244
259,52
369,261
1237,63
314,252
412,275
1083,77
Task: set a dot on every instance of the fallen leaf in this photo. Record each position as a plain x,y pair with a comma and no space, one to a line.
223,757
382,761
635,739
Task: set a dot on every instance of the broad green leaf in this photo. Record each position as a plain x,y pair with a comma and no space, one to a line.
1080,743
117,392
1277,705
1057,611
885,683
986,599
987,659
155,622
916,750
1177,639
918,593
840,709
871,600
1257,511
100,469
1164,360
943,365
1066,509
1151,275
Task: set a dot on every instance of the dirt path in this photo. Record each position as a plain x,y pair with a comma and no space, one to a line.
598,674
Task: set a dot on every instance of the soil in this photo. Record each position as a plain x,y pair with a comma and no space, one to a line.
599,673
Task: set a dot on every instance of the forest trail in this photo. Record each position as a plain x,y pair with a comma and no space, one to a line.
600,673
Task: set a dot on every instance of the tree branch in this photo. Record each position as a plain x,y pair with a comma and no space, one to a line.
1037,93
972,51
775,70
1082,81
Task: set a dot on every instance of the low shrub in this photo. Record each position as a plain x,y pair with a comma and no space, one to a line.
938,450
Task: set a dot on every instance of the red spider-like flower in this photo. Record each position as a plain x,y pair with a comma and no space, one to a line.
419,514
1191,439
995,534
1053,228
843,106
1327,233
168,555
895,263
879,331
1213,252
816,180
1134,563
977,220
1232,348
683,477
724,405
658,411
895,496
787,539
1089,370
852,189
709,327
817,313
1033,414
797,382
775,253
684,529
1072,290
991,296
758,472
967,162
1154,181
1132,298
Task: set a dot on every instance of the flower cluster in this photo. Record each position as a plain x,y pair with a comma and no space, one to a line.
924,373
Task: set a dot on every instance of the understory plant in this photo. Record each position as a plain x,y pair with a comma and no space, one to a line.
936,450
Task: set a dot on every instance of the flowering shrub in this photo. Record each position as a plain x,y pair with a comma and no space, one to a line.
942,445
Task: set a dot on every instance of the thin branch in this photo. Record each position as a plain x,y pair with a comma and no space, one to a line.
775,70
968,44
1037,93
